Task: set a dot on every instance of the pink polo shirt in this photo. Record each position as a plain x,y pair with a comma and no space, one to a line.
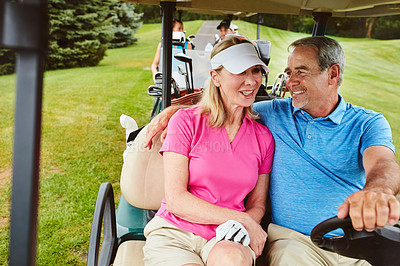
220,172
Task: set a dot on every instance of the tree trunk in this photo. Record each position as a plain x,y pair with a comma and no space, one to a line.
290,22
369,24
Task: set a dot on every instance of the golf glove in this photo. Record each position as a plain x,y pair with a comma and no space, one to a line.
233,231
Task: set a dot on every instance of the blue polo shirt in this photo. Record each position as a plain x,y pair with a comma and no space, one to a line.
318,162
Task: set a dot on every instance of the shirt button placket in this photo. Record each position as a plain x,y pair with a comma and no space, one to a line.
309,129
311,123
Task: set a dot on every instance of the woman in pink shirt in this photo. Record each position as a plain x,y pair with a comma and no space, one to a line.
215,156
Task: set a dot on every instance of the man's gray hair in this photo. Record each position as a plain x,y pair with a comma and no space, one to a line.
329,52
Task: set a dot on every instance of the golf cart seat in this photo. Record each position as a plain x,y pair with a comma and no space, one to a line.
142,188
264,50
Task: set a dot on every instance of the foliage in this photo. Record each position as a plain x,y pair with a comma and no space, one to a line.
185,16
79,33
301,23
7,58
387,28
347,27
384,27
125,22
152,14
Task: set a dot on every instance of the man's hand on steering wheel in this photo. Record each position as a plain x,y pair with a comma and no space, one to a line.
369,209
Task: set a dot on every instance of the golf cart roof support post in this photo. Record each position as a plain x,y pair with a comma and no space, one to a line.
168,9
24,27
260,21
320,21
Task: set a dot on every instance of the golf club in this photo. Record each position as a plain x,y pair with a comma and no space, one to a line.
186,59
182,72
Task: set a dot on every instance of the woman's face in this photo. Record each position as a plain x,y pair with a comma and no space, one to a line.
178,27
238,90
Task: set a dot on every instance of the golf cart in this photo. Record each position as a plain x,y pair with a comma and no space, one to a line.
24,27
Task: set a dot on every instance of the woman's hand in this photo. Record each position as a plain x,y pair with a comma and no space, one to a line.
258,236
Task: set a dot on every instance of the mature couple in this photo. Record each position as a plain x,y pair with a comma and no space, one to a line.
329,158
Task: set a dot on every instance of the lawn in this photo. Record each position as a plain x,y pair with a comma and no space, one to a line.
82,141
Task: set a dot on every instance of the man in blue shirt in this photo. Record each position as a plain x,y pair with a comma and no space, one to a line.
329,154
331,157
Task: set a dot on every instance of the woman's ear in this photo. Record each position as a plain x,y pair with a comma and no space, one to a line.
215,77
334,72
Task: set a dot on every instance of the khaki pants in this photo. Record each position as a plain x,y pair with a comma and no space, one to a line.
168,245
288,247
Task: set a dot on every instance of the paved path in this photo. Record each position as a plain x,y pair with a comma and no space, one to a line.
206,34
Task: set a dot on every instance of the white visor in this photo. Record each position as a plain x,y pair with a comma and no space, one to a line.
238,58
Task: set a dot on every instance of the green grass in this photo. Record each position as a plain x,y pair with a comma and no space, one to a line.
82,141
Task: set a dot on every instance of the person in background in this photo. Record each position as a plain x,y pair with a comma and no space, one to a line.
228,157
331,157
177,26
225,27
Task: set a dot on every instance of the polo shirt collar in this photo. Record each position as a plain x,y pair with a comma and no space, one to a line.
246,117
336,116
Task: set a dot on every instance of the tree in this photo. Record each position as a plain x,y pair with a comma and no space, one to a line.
7,58
152,14
346,27
290,23
79,33
294,23
368,25
125,22
387,28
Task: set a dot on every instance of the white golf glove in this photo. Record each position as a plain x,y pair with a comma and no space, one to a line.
233,231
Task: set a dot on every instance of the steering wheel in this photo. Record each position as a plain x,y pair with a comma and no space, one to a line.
379,247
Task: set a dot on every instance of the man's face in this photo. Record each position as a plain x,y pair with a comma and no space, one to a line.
308,86
223,32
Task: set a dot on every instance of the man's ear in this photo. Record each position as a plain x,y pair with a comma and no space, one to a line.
215,78
334,72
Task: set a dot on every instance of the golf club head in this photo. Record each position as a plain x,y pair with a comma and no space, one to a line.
181,70
183,58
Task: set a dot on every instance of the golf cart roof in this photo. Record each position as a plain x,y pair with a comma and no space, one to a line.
338,8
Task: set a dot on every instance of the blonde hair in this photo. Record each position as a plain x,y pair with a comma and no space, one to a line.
211,102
